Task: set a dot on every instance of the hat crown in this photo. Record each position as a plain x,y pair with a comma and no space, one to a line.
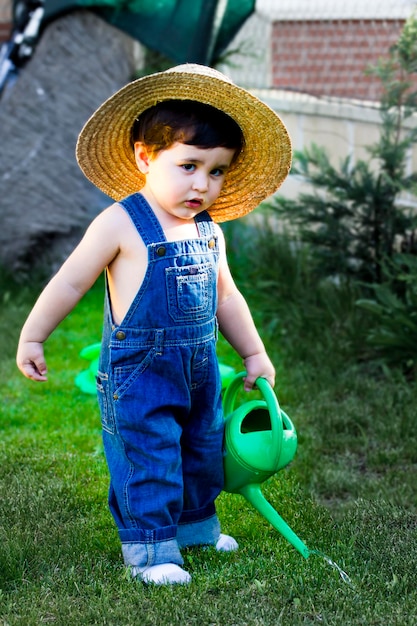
201,70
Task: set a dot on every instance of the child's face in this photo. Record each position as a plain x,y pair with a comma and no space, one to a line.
183,180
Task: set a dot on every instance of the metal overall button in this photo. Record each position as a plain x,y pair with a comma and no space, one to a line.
211,243
161,251
120,335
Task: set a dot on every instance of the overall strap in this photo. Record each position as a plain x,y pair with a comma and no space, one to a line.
205,224
143,218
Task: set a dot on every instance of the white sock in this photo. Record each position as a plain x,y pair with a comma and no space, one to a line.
225,543
163,574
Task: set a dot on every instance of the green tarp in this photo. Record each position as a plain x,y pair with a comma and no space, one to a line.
196,31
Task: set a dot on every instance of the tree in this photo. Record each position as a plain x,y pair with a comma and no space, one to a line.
353,218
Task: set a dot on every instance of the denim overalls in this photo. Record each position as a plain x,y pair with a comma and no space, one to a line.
159,392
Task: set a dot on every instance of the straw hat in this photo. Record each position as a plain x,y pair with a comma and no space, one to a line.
106,157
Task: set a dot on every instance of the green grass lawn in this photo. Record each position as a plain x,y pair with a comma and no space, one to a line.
350,493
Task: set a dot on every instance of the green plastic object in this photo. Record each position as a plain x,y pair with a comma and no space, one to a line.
227,374
260,439
86,380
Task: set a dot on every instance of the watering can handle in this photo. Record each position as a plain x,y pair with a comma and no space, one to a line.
276,416
261,383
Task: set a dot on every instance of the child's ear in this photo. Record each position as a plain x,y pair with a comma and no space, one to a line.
142,157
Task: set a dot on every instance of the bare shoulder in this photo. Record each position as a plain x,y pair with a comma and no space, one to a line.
221,239
113,217
218,230
220,235
109,229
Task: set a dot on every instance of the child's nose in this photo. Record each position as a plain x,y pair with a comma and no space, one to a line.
200,182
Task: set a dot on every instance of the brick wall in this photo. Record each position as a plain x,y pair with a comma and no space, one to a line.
329,57
5,19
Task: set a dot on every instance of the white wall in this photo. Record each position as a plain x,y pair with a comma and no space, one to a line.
335,9
342,127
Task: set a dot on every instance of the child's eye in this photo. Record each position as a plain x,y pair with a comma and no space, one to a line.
218,171
188,167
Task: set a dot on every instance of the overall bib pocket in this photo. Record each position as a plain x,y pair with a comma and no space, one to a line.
190,292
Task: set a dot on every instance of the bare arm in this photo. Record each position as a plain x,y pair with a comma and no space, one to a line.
237,326
79,272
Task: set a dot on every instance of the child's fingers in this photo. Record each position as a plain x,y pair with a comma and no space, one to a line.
35,370
248,383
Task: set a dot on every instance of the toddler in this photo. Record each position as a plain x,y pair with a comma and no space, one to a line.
178,151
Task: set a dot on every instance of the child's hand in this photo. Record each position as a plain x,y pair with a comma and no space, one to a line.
258,365
31,361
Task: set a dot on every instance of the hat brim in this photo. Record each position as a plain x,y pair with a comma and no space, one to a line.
106,157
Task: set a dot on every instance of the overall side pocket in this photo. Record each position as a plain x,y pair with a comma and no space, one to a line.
126,375
104,402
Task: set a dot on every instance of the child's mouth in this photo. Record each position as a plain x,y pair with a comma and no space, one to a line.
194,204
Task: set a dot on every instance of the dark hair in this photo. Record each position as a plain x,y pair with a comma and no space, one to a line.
189,122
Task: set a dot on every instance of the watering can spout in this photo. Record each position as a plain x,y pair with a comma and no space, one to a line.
254,496
260,439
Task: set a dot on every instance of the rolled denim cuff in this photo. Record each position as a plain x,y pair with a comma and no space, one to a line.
143,555
202,532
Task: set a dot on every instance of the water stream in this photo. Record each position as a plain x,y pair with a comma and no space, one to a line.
335,566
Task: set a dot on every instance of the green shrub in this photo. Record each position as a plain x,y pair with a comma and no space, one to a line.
296,308
393,309
356,215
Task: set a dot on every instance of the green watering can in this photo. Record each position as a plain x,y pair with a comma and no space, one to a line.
260,439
